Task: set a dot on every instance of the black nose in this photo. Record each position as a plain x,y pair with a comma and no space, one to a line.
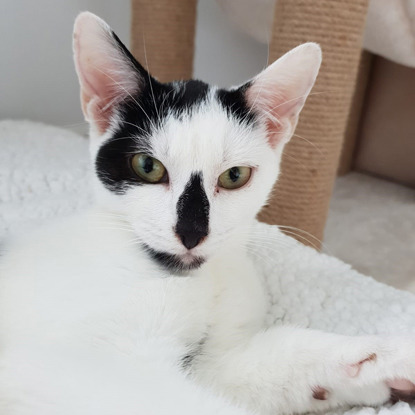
193,213
190,239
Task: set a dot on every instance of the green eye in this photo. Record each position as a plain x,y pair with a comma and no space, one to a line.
148,168
235,177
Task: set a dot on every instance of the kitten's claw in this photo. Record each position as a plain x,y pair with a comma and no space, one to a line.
354,369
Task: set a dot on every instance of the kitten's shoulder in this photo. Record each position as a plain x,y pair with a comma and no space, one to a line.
88,234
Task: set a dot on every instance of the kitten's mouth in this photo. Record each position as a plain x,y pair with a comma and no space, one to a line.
176,264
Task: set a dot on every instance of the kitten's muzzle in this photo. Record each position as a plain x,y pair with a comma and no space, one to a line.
174,264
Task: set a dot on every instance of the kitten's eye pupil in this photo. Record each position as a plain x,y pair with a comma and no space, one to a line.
234,174
148,165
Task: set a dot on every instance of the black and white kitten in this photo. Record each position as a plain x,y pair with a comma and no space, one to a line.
149,303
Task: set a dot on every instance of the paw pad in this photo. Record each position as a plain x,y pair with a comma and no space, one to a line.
401,390
320,393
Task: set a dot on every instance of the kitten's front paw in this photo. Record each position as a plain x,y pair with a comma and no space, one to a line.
385,371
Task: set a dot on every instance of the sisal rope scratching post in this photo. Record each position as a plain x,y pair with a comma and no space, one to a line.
301,197
164,30
356,110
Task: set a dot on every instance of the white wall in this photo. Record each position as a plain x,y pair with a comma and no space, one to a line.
224,56
37,77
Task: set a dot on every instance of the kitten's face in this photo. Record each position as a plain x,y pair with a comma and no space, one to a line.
189,214
188,165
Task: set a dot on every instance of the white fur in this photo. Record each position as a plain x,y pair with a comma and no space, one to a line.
90,325
98,331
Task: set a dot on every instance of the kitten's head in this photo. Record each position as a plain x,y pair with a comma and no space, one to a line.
187,164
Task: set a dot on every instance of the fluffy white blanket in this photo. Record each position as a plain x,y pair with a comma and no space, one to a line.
44,173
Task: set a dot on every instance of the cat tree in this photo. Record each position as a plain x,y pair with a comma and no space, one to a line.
162,37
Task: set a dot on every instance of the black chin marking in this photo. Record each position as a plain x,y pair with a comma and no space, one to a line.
172,263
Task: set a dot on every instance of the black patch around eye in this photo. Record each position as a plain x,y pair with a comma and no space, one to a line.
144,110
234,102
140,115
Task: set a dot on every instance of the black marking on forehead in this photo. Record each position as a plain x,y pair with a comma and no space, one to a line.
188,94
140,115
235,103
193,213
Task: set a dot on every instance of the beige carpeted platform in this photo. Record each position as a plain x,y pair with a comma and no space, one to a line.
371,226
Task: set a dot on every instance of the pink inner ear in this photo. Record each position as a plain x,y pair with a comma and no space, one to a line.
105,75
98,112
278,109
97,87
279,92
97,96
275,133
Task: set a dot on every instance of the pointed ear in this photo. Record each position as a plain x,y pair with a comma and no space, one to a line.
107,72
279,92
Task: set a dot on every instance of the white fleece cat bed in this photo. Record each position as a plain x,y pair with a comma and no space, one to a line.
44,174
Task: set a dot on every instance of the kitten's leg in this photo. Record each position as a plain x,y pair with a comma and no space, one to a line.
288,370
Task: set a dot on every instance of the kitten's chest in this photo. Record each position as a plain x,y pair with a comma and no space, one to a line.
103,300
131,308
136,312
174,309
